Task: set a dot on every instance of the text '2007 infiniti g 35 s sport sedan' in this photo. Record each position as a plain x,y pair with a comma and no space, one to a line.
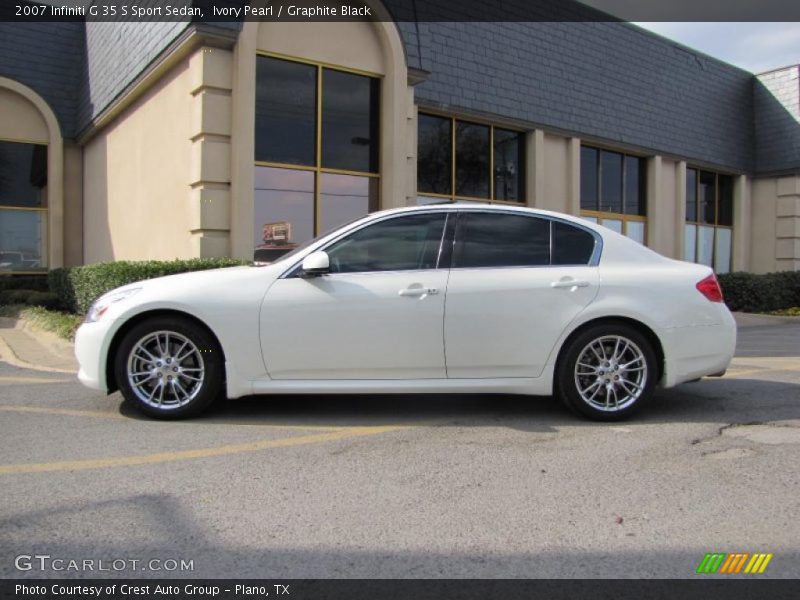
456,298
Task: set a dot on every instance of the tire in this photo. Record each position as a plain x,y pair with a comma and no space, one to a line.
169,368
607,372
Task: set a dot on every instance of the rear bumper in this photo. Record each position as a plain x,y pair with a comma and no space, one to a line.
698,351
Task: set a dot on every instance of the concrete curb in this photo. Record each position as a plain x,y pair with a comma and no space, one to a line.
51,343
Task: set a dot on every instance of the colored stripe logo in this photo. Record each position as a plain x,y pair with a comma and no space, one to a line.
732,564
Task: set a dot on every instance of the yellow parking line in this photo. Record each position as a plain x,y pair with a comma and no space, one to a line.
12,380
163,457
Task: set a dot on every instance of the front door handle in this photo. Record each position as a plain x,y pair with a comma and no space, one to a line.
420,292
569,283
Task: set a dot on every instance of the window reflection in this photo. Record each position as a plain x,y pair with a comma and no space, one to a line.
23,174
508,160
610,182
22,239
284,211
344,198
434,155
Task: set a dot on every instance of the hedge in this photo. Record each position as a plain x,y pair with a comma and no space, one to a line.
77,287
749,292
29,298
24,282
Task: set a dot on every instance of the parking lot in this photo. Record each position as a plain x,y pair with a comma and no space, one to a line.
408,486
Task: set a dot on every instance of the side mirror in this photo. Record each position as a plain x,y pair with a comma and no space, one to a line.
315,264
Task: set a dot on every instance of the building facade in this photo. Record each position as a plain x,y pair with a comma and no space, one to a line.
174,140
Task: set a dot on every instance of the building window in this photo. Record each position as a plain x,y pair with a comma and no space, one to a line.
316,151
462,160
23,207
709,219
614,191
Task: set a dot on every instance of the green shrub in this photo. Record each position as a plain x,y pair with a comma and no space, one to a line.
24,282
77,287
29,298
749,292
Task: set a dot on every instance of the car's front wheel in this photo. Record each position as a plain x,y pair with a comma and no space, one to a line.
169,368
607,372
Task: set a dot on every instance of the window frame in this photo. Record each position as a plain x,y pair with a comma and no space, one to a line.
45,214
317,167
697,223
453,196
623,217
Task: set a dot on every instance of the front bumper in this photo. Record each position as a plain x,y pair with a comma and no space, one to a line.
92,342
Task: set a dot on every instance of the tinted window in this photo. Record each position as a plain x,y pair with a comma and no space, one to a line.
349,121
571,245
706,197
509,161
610,182
434,155
23,174
285,111
501,240
399,244
634,186
691,195
725,209
589,195
472,160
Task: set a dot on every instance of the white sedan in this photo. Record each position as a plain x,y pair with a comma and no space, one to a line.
461,298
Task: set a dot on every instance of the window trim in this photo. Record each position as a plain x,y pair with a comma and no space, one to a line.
601,215
452,196
715,225
317,167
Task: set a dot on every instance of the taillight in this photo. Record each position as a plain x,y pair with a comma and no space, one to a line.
709,287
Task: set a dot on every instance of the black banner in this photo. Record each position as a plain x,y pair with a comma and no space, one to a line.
703,588
232,11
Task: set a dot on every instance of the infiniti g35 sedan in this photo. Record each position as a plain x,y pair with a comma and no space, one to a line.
460,298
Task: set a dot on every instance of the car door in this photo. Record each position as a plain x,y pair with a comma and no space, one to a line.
516,282
377,314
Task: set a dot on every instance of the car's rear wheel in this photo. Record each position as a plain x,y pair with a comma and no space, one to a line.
607,372
169,368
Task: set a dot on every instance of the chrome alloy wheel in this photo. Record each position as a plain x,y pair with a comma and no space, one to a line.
610,373
165,370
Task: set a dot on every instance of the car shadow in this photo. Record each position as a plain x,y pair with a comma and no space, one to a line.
723,400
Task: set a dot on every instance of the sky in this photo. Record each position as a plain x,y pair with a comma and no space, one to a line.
756,47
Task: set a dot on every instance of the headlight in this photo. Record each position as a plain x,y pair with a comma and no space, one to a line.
103,303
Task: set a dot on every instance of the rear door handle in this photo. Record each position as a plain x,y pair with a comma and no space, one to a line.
418,291
569,283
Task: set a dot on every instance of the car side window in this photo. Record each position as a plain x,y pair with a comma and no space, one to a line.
501,240
571,245
398,244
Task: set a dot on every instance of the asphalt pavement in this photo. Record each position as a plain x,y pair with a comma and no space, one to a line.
484,486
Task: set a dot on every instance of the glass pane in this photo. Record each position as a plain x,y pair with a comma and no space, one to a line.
590,219
284,211
722,251
285,111
612,224
23,235
725,215
424,200
610,182
472,160
23,174
501,240
706,194
635,176
690,243
398,244
509,165
434,155
691,195
350,111
705,245
344,198
589,198
635,231
571,245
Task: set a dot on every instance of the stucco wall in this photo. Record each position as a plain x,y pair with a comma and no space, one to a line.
136,178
